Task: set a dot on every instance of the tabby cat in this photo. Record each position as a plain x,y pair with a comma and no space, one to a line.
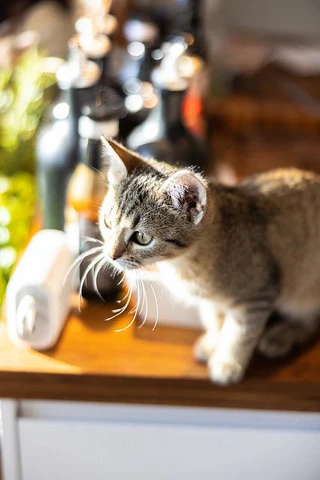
239,252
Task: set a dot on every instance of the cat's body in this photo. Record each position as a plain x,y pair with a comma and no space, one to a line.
266,230
239,252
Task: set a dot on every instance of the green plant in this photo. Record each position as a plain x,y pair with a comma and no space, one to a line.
22,101
17,200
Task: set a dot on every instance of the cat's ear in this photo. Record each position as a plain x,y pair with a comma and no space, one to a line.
115,167
188,192
119,160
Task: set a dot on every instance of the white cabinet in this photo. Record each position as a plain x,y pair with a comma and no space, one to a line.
62,440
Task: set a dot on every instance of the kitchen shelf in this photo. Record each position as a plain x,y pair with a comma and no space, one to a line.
92,362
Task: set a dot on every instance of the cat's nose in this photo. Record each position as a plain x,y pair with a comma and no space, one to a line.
114,255
115,250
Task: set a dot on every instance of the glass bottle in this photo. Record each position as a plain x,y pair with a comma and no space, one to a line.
135,75
163,135
186,20
97,48
57,148
97,29
142,39
86,192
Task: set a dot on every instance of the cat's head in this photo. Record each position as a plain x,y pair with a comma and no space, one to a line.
151,212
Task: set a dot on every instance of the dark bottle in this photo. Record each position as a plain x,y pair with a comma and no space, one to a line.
140,99
142,40
105,109
95,30
186,21
135,75
57,146
163,134
96,48
87,190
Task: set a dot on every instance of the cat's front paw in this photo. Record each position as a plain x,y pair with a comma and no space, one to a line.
225,372
204,347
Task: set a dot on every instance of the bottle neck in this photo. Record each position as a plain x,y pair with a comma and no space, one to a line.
72,98
170,108
93,154
76,98
145,66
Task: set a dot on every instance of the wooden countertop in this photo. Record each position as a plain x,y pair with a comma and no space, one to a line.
92,362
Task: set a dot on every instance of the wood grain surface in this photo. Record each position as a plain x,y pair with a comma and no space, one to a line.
92,362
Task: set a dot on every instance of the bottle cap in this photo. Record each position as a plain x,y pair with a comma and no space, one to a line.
94,46
136,49
109,24
105,24
77,72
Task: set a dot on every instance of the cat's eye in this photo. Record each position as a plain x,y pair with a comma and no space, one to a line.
141,238
107,222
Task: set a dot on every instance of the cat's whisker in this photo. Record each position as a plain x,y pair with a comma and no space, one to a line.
169,295
119,310
134,317
145,303
123,308
97,204
142,294
135,307
120,301
91,239
129,325
79,260
105,180
157,307
156,301
98,268
84,276
116,271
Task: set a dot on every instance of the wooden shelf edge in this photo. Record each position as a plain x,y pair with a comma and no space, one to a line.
161,391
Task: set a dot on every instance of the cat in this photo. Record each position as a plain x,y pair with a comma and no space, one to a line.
239,252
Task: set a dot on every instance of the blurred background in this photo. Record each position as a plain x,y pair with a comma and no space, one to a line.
231,87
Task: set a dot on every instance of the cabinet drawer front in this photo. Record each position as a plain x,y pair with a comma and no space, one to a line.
55,449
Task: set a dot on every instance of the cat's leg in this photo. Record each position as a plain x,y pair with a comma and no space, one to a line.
280,339
212,319
238,338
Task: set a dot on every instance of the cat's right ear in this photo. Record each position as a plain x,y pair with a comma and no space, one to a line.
116,169
188,193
